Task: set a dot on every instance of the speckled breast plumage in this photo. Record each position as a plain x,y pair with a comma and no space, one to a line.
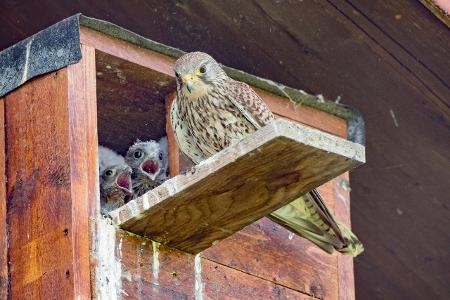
212,123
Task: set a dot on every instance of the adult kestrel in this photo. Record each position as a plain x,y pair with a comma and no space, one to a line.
115,180
149,162
213,111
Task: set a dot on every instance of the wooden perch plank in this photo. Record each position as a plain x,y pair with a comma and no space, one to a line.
239,185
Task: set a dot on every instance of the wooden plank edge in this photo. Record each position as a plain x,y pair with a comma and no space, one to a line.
83,146
3,224
174,150
144,57
278,128
346,279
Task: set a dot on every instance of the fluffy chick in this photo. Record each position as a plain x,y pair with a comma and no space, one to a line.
149,161
115,180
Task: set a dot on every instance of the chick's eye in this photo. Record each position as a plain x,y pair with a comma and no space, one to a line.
202,69
177,75
160,156
109,172
137,154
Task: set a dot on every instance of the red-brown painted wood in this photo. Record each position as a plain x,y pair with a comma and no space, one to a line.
3,224
50,147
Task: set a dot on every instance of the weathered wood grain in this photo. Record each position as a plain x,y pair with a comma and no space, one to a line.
150,271
83,143
304,114
239,185
3,223
267,250
38,189
341,199
174,150
143,57
48,145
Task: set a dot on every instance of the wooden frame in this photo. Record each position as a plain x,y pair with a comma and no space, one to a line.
59,246
51,147
3,224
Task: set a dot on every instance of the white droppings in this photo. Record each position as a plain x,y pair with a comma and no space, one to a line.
138,275
155,263
394,118
145,201
109,267
198,278
340,196
320,98
291,235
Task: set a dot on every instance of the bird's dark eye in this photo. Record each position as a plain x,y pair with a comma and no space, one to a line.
177,75
160,156
109,172
137,154
203,69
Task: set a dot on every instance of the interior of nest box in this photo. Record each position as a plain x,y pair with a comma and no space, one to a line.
130,102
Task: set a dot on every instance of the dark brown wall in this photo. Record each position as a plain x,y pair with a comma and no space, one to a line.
390,59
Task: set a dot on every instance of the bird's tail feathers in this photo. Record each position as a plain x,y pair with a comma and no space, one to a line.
353,245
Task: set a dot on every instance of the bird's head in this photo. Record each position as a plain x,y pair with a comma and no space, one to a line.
197,73
116,176
146,157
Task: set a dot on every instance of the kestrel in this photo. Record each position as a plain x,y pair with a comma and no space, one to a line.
149,162
213,111
115,180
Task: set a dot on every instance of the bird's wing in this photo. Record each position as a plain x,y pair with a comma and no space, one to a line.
302,217
249,103
184,141
309,217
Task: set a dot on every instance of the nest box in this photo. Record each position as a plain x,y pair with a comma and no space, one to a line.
199,235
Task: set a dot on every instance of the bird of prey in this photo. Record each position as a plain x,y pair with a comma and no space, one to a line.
149,161
213,111
115,180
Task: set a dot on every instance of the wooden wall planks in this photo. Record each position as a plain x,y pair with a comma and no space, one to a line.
51,146
3,224
175,275
82,107
38,188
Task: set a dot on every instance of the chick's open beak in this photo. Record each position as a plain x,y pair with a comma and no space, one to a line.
124,180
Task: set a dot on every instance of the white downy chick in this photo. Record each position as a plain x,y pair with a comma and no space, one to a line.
115,180
150,164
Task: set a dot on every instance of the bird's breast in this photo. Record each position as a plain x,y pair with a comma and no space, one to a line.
213,122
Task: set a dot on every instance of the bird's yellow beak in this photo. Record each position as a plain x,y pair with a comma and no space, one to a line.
188,80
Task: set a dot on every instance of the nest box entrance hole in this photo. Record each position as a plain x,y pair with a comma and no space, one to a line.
130,102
